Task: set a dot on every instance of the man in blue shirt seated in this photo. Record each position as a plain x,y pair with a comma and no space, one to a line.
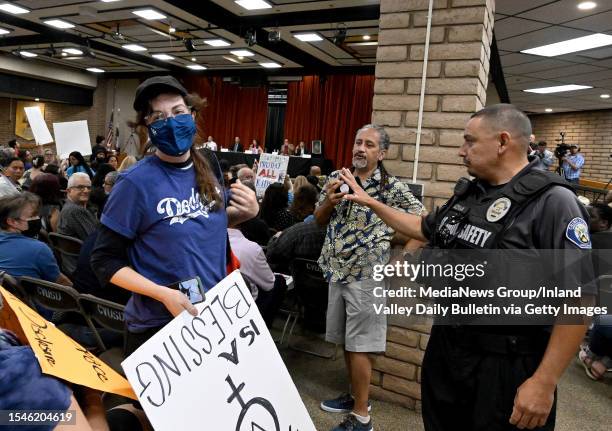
20,254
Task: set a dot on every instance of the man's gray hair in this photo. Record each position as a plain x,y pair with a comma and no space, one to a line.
74,177
384,140
111,177
504,116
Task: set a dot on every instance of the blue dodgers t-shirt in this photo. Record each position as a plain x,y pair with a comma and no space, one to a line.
20,255
176,236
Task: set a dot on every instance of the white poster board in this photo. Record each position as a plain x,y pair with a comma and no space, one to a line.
72,136
272,168
37,124
217,371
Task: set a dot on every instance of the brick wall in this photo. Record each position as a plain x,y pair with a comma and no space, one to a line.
591,130
59,112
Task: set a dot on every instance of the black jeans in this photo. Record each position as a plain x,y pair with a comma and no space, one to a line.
269,302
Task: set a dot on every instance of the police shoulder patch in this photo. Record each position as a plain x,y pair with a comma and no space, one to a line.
577,232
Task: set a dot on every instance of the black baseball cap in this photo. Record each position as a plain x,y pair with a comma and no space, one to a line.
155,86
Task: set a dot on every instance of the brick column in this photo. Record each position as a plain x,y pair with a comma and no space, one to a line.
457,78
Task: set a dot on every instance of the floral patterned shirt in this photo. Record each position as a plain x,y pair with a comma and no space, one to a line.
356,238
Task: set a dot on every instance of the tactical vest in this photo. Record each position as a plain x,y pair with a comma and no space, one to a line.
476,220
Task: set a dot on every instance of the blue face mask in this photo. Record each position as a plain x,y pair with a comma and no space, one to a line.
173,136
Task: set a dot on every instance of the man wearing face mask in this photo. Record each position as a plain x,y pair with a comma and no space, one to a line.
20,253
166,218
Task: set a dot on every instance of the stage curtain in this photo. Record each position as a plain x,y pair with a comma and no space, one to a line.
331,109
231,110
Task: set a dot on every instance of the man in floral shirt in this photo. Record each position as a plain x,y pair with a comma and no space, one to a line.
355,241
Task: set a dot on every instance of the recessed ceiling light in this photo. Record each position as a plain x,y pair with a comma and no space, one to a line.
233,60
308,37
134,47
270,65
11,8
28,54
64,54
242,53
58,23
94,70
548,109
193,59
371,43
196,67
572,45
217,42
367,37
164,57
253,4
109,1
240,58
72,51
605,96
37,99
557,89
149,14
586,5
3,31
171,30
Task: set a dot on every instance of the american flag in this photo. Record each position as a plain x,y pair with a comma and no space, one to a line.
110,135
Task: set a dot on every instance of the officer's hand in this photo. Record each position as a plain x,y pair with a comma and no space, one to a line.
359,195
532,404
331,188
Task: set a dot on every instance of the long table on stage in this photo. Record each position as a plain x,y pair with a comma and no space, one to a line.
297,165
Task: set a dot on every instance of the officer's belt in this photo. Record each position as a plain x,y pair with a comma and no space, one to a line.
502,344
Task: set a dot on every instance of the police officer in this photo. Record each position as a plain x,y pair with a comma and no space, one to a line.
495,378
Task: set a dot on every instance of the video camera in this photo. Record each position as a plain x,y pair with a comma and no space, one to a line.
562,149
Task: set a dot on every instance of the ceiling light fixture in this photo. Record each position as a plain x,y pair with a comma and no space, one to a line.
217,42
270,65
557,89
193,59
371,43
164,57
3,31
586,5
94,70
28,54
253,4
548,110
367,37
242,53
308,37
572,45
233,60
339,35
196,67
58,23
134,47
11,8
605,96
149,14
64,54
72,51
171,30
37,99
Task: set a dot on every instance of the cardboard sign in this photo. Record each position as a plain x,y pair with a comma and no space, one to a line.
61,356
72,136
37,124
219,369
272,168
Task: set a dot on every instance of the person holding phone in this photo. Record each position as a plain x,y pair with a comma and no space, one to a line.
166,219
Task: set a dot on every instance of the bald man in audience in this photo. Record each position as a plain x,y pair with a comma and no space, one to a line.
315,170
246,174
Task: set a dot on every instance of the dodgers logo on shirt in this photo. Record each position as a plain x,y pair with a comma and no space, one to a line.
179,211
578,233
498,209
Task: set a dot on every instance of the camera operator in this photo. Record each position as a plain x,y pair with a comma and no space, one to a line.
545,157
572,164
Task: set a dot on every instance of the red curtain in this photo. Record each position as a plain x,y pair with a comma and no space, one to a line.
330,109
231,110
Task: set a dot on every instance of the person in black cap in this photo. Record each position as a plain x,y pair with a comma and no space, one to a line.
503,377
166,218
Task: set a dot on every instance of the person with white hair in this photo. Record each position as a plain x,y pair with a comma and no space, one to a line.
75,218
246,174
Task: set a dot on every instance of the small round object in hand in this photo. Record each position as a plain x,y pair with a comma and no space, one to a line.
344,188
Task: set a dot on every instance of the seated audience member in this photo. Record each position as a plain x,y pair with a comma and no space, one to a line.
299,181
20,254
50,158
113,160
127,163
27,160
274,208
234,171
255,229
47,187
266,288
302,240
56,170
75,219
314,181
315,171
101,155
109,181
600,218
304,203
596,356
246,174
98,195
78,164
14,146
10,168
37,168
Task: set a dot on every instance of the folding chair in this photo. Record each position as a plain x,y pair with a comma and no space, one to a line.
11,284
57,297
67,251
311,291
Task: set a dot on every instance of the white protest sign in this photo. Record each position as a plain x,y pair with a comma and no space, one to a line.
37,124
72,136
219,370
272,168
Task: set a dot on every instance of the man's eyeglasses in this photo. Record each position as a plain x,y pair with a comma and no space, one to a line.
81,188
156,116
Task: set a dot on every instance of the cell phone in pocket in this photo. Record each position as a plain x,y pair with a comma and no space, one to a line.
192,288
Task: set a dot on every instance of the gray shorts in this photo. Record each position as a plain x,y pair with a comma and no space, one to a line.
352,319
